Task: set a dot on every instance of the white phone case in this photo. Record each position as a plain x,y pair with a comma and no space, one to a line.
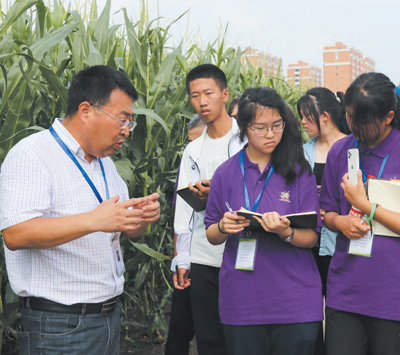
353,164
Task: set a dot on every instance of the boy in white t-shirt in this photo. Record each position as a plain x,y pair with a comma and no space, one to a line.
207,88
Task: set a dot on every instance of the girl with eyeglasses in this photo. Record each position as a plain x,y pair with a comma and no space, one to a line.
363,292
270,299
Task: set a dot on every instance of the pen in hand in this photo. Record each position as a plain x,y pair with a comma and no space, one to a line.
177,274
230,209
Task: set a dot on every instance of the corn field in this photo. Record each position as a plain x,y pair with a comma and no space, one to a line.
42,46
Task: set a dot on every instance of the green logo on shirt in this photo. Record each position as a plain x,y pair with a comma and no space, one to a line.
285,196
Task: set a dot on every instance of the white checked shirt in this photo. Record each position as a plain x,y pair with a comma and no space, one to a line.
38,179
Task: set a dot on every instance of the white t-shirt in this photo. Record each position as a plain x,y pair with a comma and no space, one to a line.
214,153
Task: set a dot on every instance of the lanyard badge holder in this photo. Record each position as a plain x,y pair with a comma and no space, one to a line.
362,246
247,248
115,245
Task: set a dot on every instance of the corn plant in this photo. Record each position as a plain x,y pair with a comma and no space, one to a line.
41,48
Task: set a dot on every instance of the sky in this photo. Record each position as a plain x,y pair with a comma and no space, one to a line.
290,29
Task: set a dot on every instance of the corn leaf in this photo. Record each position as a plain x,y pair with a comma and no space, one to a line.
17,9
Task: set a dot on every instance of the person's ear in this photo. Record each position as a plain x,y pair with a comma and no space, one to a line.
225,95
389,117
85,111
324,117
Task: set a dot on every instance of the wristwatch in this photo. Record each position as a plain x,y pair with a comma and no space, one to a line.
289,238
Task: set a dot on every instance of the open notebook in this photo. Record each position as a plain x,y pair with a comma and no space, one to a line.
297,220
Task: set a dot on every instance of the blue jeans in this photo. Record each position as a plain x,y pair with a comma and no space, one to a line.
45,333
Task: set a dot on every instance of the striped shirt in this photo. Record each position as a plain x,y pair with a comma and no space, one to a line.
38,179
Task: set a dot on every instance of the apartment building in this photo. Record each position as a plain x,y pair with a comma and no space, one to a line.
342,65
272,66
304,75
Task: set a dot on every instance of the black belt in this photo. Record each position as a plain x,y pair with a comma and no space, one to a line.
41,304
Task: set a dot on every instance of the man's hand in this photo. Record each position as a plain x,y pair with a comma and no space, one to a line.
131,216
202,188
184,281
150,208
110,216
113,216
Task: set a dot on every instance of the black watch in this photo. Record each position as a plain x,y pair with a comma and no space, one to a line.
289,238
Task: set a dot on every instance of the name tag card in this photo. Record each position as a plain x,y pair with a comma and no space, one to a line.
119,261
362,246
246,254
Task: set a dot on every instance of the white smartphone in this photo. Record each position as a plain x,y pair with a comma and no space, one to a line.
353,164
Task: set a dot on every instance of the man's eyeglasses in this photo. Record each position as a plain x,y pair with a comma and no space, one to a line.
123,123
261,131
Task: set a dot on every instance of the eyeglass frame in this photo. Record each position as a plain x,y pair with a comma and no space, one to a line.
123,122
268,128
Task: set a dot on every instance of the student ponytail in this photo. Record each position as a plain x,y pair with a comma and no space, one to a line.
343,126
318,100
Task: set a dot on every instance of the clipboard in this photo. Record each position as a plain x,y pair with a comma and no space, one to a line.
386,193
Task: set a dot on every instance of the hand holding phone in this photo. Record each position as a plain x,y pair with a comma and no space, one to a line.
353,164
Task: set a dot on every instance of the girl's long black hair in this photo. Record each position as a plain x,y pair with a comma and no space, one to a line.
288,157
318,100
371,96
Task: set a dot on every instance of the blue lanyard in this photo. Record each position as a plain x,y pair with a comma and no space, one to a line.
246,193
383,164
85,175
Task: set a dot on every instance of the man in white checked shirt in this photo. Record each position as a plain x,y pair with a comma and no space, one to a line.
63,207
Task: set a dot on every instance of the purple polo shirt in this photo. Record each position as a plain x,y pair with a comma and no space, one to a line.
368,286
285,286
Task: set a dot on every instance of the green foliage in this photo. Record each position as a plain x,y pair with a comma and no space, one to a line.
41,48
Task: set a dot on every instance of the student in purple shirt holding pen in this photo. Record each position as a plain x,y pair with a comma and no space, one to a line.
363,301
270,299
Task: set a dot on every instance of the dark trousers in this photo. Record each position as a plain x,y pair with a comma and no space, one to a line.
204,301
356,334
323,262
181,330
272,339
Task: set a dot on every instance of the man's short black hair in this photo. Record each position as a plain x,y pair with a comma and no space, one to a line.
95,84
207,71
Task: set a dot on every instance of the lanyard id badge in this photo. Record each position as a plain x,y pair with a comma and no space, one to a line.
115,246
79,166
119,261
246,193
247,249
362,246
246,254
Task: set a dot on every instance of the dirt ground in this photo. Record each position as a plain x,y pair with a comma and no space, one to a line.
138,343
145,346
